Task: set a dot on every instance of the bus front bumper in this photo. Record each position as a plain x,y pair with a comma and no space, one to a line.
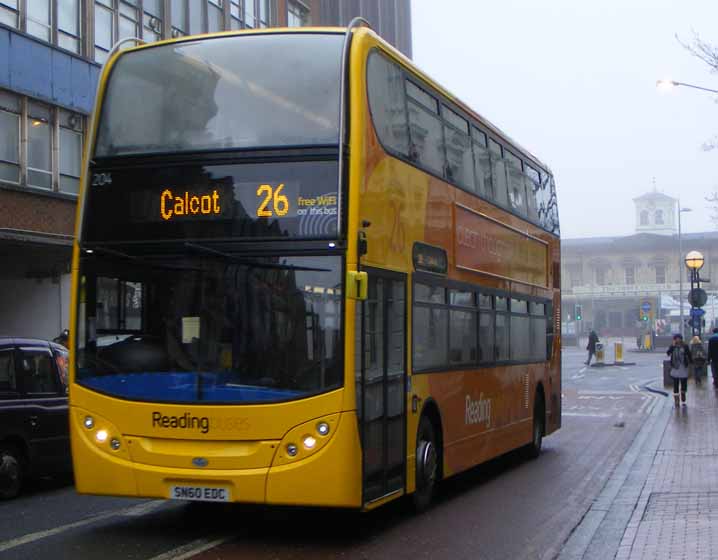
327,476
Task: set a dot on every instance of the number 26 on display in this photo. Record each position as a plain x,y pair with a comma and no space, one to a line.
274,203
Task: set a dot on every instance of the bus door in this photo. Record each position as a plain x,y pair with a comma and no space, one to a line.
381,384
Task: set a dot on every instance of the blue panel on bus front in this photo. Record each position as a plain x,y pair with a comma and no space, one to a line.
183,387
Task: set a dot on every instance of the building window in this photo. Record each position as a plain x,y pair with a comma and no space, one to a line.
68,25
601,276
9,137
178,18
297,14
660,274
53,138
39,146
152,19
38,19
118,19
659,217
9,12
215,16
630,275
644,218
70,151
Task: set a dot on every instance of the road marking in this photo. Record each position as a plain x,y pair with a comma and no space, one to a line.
589,414
32,537
578,377
592,392
584,368
191,549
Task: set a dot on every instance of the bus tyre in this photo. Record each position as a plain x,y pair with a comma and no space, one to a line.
427,464
10,471
533,449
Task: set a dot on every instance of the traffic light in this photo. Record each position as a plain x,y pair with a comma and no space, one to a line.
577,312
644,316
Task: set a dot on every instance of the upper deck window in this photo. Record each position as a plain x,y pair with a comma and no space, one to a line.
217,93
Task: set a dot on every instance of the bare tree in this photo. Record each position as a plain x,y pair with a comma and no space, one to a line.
708,53
701,49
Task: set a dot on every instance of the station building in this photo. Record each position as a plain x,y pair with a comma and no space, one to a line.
51,53
631,285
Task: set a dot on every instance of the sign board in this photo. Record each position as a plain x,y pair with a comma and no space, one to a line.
645,306
697,297
697,312
485,245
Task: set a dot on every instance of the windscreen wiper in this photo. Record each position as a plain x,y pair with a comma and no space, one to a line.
249,262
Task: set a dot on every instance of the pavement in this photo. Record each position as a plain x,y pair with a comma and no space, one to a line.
661,500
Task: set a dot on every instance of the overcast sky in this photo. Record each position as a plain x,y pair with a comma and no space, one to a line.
574,81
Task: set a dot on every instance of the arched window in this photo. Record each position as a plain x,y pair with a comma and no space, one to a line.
659,217
644,217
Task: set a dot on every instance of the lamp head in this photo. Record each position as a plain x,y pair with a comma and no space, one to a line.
694,260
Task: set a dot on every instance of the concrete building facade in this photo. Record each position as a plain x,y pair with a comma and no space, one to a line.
51,53
619,281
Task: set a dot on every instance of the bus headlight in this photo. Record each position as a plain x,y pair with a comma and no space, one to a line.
101,436
114,444
305,439
89,422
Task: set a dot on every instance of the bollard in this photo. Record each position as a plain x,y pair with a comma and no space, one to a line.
647,343
618,353
599,354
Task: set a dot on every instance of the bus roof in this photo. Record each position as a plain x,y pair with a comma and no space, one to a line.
409,64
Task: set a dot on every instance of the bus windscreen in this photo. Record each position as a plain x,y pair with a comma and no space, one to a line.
225,92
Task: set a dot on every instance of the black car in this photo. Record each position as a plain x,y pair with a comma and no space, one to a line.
34,424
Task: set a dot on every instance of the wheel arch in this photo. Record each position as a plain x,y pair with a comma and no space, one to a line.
432,412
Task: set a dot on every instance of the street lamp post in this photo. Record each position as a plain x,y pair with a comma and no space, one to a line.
667,85
680,265
694,262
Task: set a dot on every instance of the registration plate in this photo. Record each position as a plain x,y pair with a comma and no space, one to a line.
200,493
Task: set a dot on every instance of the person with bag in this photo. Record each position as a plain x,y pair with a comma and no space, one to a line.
591,346
698,354
680,356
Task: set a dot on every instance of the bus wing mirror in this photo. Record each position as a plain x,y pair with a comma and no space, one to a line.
357,285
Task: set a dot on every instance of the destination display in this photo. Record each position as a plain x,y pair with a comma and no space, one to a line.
288,199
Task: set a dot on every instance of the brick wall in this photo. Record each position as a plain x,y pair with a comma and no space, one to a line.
33,212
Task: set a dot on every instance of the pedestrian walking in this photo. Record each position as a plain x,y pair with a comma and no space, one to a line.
680,355
698,355
713,355
591,346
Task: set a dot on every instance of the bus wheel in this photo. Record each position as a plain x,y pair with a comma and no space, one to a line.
427,464
10,471
533,449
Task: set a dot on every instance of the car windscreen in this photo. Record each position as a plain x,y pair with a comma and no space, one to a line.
210,327
247,91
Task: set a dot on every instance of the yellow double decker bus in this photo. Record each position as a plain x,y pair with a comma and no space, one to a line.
304,273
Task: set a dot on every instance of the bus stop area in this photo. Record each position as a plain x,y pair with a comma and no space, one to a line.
661,501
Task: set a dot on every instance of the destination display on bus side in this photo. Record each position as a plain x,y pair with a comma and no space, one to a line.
287,199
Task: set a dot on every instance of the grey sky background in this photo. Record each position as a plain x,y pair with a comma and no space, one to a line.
573,81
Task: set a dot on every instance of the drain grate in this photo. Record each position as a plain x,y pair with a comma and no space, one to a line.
681,505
